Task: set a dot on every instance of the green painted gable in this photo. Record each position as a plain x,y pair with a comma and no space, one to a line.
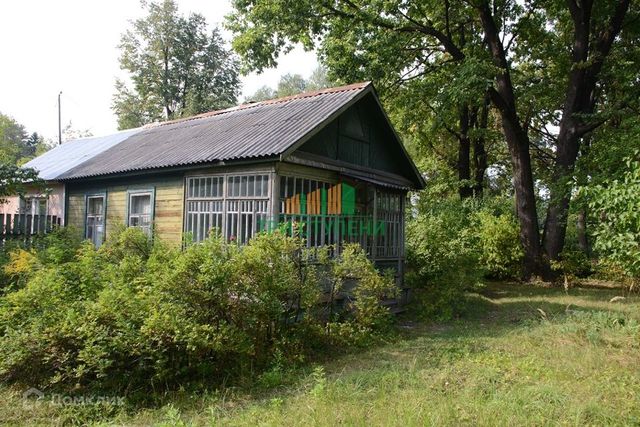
362,136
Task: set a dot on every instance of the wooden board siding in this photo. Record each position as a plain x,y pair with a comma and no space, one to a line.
362,137
169,210
168,204
75,211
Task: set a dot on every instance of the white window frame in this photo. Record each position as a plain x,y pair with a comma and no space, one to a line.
34,202
88,198
152,201
239,206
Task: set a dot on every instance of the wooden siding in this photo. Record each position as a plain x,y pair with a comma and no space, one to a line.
168,204
361,137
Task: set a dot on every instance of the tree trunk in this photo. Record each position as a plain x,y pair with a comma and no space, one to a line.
464,153
503,98
518,142
479,151
580,101
581,226
555,226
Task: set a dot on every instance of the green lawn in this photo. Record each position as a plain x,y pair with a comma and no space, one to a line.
522,355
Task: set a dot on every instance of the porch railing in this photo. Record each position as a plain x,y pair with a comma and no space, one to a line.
23,226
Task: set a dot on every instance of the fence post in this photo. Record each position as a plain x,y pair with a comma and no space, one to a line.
7,227
42,224
28,229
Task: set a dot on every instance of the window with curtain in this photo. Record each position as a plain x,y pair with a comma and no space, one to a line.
141,210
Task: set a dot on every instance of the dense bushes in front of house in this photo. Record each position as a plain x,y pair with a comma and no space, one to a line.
453,244
137,315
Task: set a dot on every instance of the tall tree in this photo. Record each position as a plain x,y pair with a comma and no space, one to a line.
530,58
176,67
375,41
16,145
292,84
595,27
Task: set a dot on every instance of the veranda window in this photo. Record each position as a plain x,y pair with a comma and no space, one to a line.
311,204
333,213
94,229
237,206
389,212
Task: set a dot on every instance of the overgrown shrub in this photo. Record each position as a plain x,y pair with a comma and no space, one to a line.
453,244
573,264
442,258
20,258
137,314
617,233
500,252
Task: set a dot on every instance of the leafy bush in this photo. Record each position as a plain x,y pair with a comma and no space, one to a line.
19,259
500,251
137,312
453,244
367,315
573,264
617,233
442,257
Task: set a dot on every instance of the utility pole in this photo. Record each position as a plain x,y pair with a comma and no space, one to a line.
59,121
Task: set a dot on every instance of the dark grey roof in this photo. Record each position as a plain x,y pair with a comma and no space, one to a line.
251,131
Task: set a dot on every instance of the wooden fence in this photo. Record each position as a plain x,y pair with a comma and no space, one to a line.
23,226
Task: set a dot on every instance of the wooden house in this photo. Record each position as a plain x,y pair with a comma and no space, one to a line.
327,160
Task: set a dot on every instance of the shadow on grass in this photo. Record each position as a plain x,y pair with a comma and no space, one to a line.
501,307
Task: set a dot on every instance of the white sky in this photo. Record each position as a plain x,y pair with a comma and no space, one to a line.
49,46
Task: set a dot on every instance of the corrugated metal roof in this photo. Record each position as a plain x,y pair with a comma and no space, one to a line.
63,158
249,131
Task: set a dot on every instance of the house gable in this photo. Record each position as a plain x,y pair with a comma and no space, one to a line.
362,137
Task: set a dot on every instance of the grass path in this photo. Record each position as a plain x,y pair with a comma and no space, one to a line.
521,356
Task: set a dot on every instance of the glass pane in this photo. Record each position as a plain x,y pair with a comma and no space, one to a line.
195,188
265,183
243,187
42,207
251,186
140,204
96,205
290,182
236,185
219,193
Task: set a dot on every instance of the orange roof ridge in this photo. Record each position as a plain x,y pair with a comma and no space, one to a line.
353,86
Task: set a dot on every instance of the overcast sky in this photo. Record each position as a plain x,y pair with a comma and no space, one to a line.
47,46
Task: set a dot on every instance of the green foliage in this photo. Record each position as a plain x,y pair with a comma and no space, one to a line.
14,180
442,257
16,148
453,244
353,273
137,314
293,84
20,260
16,145
499,244
177,68
573,264
437,69
617,233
